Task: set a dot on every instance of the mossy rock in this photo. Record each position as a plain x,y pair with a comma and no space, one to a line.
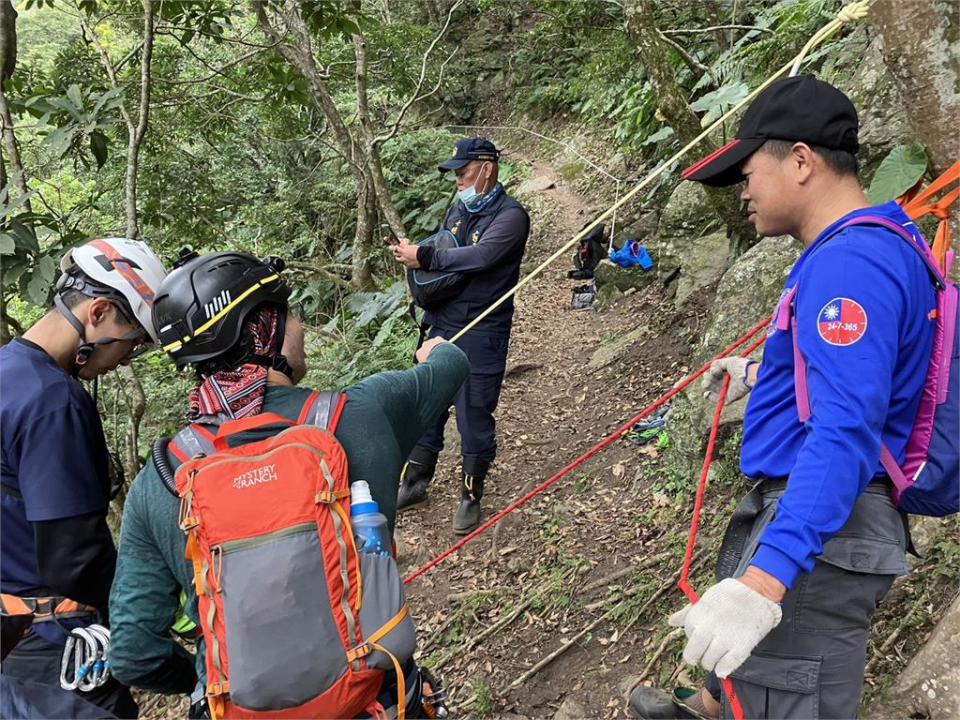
608,274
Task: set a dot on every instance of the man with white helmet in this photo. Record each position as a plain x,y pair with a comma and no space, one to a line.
57,556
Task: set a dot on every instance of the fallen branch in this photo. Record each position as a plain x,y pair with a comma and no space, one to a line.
596,623
562,649
649,562
891,638
664,644
714,28
487,632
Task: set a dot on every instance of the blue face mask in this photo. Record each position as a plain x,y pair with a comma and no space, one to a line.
471,199
469,196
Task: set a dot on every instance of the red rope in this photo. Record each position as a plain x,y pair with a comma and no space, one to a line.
684,583
586,456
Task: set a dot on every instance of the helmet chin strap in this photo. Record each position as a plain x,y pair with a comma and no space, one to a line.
84,348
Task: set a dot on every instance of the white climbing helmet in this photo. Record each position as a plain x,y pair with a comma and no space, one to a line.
127,270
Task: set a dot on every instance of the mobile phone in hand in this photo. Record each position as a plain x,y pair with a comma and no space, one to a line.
388,237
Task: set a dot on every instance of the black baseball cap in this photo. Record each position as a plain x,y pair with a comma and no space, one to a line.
468,150
795,109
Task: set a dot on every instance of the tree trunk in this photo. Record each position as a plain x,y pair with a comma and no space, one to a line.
135,133
137,406
299,53
8,40
920,50
655,55
364,235
8,63
371,147
135,130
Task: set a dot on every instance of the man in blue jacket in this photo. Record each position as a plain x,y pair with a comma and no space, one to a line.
492,230
818,542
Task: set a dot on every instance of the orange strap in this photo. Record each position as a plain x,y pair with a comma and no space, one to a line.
307,407
919,203
42,608
373,643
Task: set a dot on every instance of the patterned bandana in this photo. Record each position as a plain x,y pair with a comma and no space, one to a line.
233,394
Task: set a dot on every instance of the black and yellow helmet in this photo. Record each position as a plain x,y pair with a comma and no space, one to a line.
200,307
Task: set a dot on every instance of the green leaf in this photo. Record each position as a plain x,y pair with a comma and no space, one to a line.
75,96
717,102
47,267
7,244
37,289
98,146
899,171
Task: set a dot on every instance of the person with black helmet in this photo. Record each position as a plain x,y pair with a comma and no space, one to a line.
491,229
227,315
58,557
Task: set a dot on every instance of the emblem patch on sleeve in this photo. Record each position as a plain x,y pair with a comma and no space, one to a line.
842,322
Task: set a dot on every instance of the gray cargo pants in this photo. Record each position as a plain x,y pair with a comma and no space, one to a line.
811,665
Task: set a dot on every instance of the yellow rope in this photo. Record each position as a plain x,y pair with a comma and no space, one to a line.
853,11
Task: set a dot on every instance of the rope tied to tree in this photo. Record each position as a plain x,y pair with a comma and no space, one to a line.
848,13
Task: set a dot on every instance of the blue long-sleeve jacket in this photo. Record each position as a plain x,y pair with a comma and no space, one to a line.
863,309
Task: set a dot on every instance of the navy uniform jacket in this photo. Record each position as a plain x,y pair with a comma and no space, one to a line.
490,260
863,310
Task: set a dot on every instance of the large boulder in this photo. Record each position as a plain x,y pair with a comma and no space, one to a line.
747,293
930,685
608,274
687,216
860,72
704,262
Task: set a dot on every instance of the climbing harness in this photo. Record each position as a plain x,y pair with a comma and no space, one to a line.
84,665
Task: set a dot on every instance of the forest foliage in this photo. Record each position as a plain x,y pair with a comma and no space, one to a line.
309,129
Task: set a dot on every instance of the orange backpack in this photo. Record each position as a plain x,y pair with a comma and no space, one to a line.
296,622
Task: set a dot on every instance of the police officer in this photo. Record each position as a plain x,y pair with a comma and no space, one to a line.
817,543
492,230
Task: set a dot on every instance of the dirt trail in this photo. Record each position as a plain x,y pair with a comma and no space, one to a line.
553,568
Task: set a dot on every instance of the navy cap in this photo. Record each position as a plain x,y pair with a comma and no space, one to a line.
468,150
795,109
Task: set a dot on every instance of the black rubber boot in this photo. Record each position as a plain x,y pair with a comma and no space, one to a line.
415,479
650,703
467,517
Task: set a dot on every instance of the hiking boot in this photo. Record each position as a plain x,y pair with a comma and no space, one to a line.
650,703
415,479
467,517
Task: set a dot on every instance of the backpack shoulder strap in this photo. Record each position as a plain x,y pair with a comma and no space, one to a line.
323,409
921,248
786,317
191,441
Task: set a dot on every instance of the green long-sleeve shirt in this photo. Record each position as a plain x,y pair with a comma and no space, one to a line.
384,417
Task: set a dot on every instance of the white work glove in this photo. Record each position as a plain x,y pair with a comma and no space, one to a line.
737,368
725,626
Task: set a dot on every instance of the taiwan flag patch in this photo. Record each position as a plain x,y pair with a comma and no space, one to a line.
842,322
